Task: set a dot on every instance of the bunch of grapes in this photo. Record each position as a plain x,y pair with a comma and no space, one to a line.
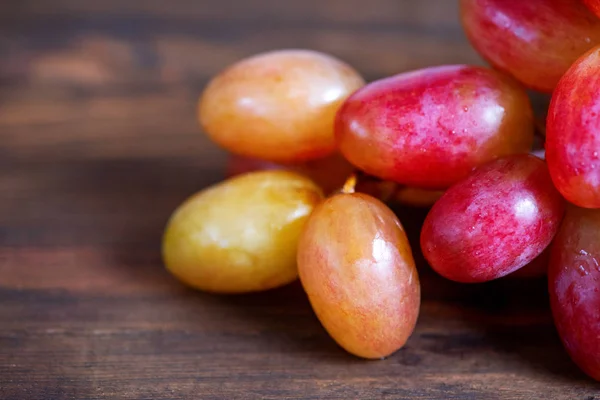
318,155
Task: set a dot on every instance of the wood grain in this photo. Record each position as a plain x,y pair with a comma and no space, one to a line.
99,143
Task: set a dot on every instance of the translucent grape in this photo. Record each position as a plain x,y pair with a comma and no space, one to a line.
278,106
533,40
240,235
573,132
494,222
574,286
430,128
357,267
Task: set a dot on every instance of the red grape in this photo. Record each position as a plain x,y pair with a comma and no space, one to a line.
430,128
534,40
574,285
593,5
357,268
494,222
573,132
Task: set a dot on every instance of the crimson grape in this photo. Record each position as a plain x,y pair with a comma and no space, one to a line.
574,286
533,40
493,222
573,132
430,128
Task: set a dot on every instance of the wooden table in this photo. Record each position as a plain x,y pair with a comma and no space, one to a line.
99,143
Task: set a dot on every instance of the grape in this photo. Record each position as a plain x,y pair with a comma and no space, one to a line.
593,5
534,40
494,222
278,106
240,235
573,132
430,128
357,267
574,286
329,172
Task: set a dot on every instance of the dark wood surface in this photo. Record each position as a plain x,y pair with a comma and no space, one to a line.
99,143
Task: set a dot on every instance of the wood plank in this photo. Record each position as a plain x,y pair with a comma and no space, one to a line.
89,337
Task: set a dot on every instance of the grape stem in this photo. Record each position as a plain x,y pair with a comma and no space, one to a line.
350,184
382,190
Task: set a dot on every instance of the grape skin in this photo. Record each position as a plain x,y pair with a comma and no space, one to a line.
494,222
278,106
240,235
533,40
573,132
357,268
429,128
574,286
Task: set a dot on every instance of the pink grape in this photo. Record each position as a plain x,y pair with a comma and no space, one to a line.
430,128
573,132
574,286
494,222
533,40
